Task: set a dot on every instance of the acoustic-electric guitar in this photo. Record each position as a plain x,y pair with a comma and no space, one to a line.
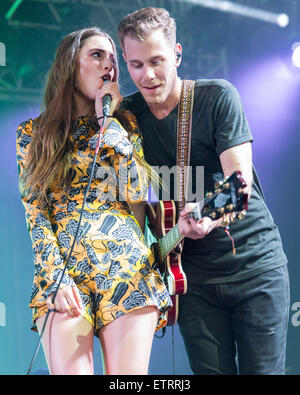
228,197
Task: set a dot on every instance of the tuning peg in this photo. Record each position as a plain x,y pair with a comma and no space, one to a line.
232,217
225,221
209,194
242,215
218,184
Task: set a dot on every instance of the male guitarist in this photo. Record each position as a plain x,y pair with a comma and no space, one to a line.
234,302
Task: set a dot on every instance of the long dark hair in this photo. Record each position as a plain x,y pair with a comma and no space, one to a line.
49,156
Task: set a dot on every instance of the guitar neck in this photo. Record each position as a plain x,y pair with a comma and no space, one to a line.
227,198
170,241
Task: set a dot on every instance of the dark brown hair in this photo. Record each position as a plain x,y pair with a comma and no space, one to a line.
49,156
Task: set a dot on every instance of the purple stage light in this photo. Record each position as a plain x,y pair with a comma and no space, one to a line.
296,54
270,93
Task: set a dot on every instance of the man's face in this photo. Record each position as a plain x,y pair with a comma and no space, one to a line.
152,66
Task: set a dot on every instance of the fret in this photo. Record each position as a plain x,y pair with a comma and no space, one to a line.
173,237
170,241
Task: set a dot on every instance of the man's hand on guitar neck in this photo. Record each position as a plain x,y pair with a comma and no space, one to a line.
188,227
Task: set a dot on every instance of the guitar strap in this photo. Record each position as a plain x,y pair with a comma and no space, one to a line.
184,131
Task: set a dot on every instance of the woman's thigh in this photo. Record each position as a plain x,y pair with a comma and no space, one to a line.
67,344
127,341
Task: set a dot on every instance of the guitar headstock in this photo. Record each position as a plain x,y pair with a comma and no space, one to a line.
228,197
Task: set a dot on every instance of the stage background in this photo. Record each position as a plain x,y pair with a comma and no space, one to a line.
254,55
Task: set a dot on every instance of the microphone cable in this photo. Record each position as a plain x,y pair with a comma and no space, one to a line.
105,116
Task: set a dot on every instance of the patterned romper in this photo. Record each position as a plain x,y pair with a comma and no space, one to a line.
111,264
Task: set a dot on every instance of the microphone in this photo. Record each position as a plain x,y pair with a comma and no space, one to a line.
106,102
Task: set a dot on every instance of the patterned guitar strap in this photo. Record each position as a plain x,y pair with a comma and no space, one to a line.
184,131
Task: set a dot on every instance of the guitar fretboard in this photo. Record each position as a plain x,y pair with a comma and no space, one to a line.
173,237
170,241
228,197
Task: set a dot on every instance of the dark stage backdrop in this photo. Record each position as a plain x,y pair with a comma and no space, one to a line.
253,55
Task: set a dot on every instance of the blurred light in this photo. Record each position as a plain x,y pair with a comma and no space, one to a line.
281,20
296,54
270,91
13,9
24,70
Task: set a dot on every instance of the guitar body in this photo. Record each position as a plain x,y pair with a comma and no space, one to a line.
173,311
163,217
227,198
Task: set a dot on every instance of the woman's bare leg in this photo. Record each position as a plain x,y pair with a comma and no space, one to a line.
67,344
126,342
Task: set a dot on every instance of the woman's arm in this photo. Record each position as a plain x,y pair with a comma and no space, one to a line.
48,262
127,162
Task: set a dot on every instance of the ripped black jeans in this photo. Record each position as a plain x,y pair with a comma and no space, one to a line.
238,327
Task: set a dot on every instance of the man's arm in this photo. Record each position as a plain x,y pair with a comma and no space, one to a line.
239,158
235,158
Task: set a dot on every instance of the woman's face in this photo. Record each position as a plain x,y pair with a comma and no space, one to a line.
95,61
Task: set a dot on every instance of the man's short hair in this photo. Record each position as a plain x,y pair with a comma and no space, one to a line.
143,22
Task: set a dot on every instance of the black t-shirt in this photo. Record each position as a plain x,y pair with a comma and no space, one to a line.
218,123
